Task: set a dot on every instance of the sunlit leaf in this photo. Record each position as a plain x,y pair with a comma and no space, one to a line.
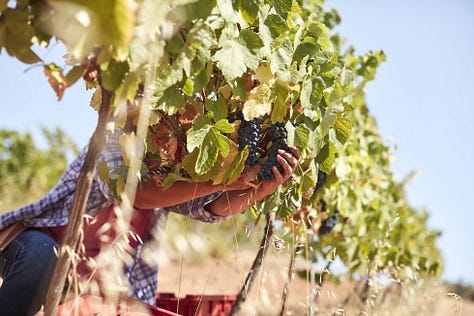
233,166
234,59
113,74
326,157
343,128
195,137
249,10
219,108
224,126
258,103
208,153
74,74
56,79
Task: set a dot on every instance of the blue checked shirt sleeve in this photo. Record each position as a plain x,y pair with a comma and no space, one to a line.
195,209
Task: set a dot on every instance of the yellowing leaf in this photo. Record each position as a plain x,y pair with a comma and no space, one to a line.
56,79
263,74
259,102
229,166
84,24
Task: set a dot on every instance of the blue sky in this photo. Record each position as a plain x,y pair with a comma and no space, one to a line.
421,99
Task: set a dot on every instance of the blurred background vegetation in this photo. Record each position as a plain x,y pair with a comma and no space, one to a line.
26,171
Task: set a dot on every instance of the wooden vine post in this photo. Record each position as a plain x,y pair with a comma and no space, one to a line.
83,187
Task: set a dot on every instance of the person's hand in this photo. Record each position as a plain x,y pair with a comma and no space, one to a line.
288,161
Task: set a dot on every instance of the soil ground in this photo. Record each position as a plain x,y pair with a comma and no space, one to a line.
226,276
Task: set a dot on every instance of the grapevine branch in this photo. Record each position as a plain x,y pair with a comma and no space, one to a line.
286,289
257,264
83,187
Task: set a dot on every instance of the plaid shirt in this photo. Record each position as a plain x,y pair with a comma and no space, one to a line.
54,209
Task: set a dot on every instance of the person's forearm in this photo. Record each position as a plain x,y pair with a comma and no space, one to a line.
234,202
150,195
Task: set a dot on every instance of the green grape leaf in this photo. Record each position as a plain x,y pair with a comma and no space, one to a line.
329,118
171,100
113,74
195,137
233,58
199,9
202,121
220,141
307,48
326,59
171,178
312,92
208,154
250,39
130,86
84,24
199,61
74,74
280,103
200,81
301,137
16,35
326,157
103,171
276,25
219,108
189,165
282,7
317,92
347,76
188,87
306,88
175,44
310,179
335,93
280,59
343,127
320,32
249,10
224,126
232,166
239,89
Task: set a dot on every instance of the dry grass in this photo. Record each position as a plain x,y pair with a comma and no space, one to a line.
225,276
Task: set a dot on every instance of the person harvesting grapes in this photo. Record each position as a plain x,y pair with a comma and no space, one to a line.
27,262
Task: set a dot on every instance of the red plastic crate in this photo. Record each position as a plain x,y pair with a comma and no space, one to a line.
88,305
196,305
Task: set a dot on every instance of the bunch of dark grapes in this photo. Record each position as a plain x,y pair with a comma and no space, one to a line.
278,137
249,135
322,176
328,224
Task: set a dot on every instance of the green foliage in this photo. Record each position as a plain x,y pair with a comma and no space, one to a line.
276,60
27,172
16,32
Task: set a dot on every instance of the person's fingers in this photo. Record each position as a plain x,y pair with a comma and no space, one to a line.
290,159
286,166
278,176
295,153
